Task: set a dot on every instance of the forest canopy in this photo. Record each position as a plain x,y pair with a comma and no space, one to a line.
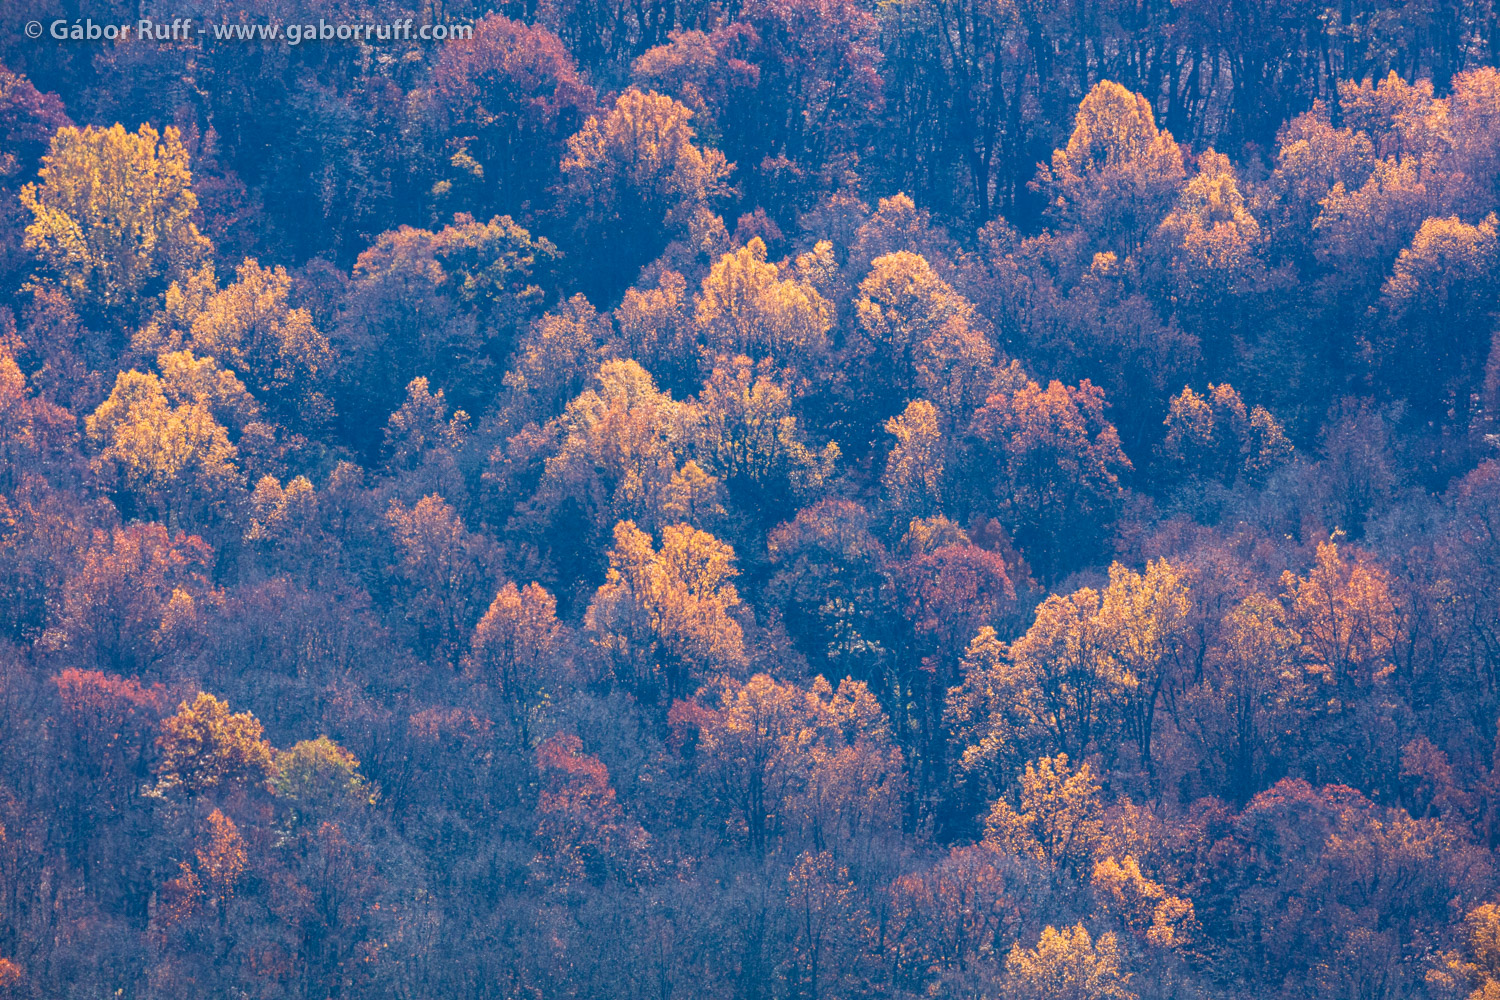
774,500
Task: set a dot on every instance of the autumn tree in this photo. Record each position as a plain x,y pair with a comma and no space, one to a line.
1213,256
444,304
913,479
636,170
914,333
706,71
828,582
251,328
284,520
1118,173
137,598
611,456
666,618
1473,969
172,460
113,216
779,760
956,915
554,360
1215,437
445,570
746,307
516,653
318,778
1059,464
658,328
206,748
826,924
750,437
946,595
1146,908
1438,313
1145,619
1247,698
106,736
501,105
1067,965
423,441
1056,818
33,432
583,830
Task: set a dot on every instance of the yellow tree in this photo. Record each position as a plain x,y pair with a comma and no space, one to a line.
1211,252
1216,437
913,478
554,360
617,449
914,333
749,436
666,618
113,214
1438,311
636,174
515,652
1145,907
746,307
1146,619
1347,617
783,760
658,328
205,747
1057,819
1471,972
1118,173
1071,683
284,521
1067,965
176,461
251,328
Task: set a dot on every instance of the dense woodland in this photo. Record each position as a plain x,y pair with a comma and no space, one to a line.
772,500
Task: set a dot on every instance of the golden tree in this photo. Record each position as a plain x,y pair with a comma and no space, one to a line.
1146,619
1067,965
1215,437
1057,820
1145,907
665,617
251,328
746,307
113,214
750,437
913,476
205,747
1118,172
515,652
174,460
636,173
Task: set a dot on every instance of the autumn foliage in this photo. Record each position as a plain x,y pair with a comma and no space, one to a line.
772,500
